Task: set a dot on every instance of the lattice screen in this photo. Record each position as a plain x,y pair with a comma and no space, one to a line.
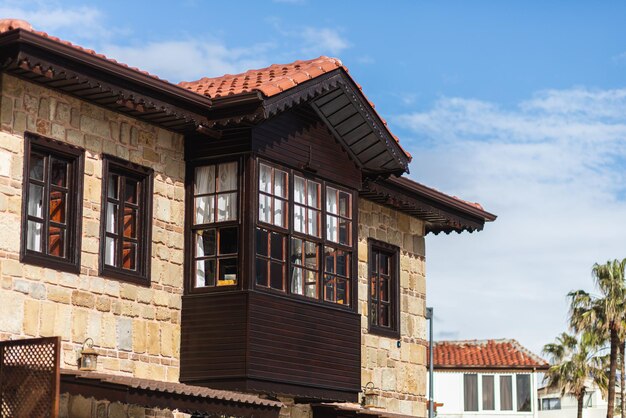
29,378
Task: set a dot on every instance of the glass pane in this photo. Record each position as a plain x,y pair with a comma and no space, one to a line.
331,200
373,292
383,267
57,206
265,179
130,223
470,392
56,242
205,243
35,200
384,316
227,177
129,256
261,242
506,393
329,288
131,190
277,275
310,286
228,272
110,253
344,231
261,272
205,211
279,213
227,207
113,186
310,254
229,243
33,239
296,281
523,392
332,234
58,172
384,289
313,221
296,251
265,208
298,190
280,183
344,205
373,313
277,247
488,395
36,167
298,218
205,273
111,221
329,253
204,180
313,191
343,263
342,292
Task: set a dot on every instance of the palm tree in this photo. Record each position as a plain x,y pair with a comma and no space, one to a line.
574,361
605,316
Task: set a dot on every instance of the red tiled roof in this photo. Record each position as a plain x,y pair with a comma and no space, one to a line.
504,353
270,81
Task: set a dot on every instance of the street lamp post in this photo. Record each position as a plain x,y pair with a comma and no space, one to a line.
431,402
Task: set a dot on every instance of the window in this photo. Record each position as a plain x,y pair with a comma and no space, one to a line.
488,393
308,223
215,228
549,404
384,311
52,208
126,227
523,392
470,392
506,393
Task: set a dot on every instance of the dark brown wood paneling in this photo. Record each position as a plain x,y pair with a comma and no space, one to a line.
213,336
300,137
304,343
232,142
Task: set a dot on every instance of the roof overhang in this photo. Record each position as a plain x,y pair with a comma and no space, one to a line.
441,213
156,394
347,410
340,104
94,78
491,368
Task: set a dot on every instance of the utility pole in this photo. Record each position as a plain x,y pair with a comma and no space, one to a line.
431,401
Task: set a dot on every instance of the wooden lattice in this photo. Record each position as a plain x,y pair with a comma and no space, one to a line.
29,378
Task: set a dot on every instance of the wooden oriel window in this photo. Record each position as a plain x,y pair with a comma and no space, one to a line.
384,289
316,238
52,203
125,241
215,226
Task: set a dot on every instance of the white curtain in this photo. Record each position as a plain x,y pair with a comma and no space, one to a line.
200,268
227,177
331,221
109,256
298,190
298,218
226,207
35,208
264,208
280,183
265,179
204,183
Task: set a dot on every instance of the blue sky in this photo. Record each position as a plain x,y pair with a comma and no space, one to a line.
518,105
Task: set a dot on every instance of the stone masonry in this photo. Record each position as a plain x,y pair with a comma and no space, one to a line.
136,329
398,373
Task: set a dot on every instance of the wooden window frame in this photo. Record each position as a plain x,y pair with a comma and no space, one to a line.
145,176
192,228
321,242
76,156
393,252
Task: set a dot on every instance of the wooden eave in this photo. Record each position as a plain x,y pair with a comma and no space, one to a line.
441,213
101,81
339,103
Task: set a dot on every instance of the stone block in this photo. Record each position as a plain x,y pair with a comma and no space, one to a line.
80,320
128,291
80,407
153,338
5,163
11,311
108,331
117,410
31,317
85,299
124,334
139,336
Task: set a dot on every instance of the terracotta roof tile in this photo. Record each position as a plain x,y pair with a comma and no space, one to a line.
485,353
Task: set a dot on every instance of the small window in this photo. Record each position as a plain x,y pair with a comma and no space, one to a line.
52,209
506,393
523,392
215,229
549,404
488,393
470,392
126,222
384,307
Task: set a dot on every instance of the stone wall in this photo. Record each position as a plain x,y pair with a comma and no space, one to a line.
81,407
136,329
398,373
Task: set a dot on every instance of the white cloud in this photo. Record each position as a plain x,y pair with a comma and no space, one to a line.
553,169
188,60
323,41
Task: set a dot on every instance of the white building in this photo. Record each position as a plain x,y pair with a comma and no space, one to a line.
553,405
489,378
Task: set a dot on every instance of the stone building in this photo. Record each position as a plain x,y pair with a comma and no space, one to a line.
237,246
